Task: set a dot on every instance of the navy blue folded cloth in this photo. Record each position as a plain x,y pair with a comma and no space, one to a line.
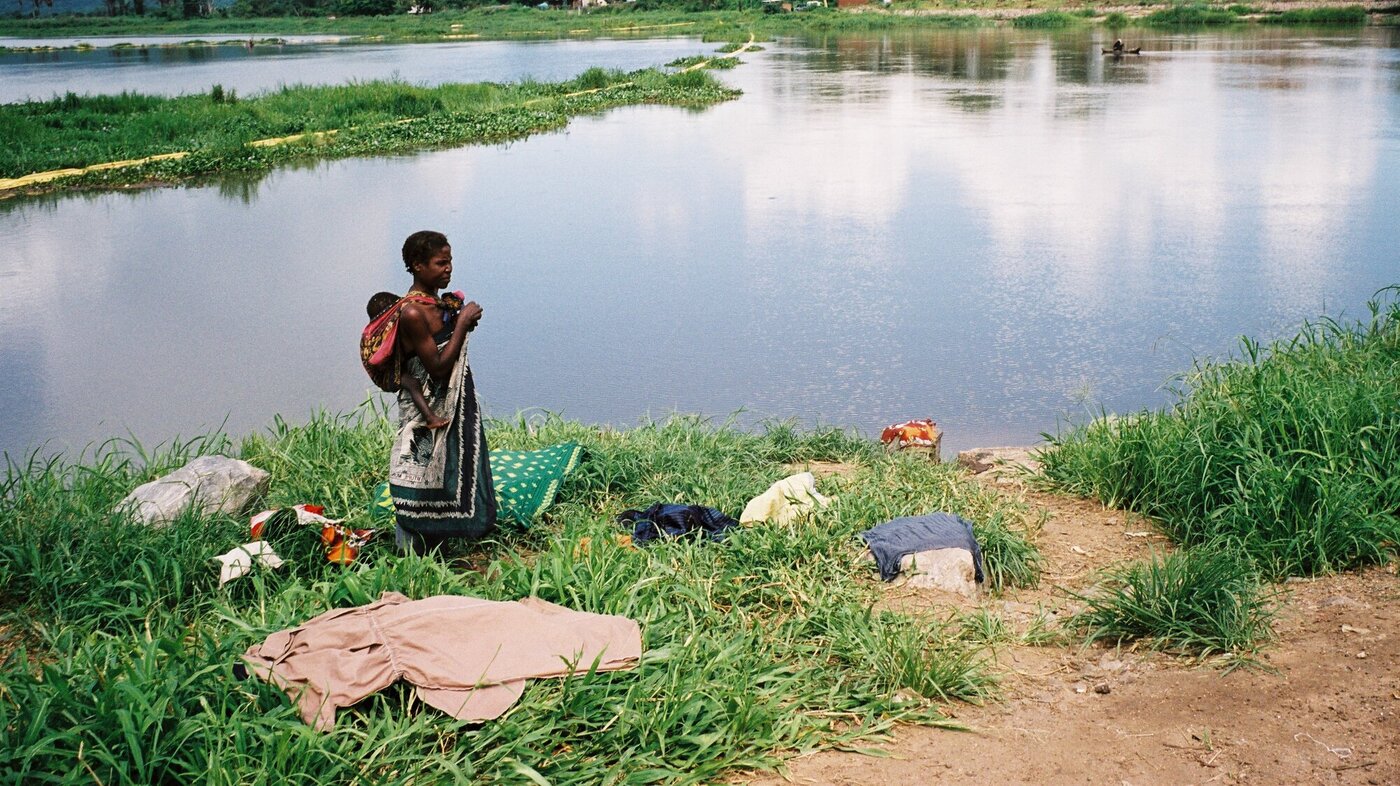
891,541
665,520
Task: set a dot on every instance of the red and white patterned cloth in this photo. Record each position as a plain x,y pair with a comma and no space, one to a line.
920,433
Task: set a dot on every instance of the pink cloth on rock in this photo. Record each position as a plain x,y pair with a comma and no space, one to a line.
465,656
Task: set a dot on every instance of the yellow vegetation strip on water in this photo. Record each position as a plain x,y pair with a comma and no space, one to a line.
55,174
37,178
725,56
282,140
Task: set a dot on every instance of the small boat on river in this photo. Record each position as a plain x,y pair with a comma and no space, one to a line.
1137,51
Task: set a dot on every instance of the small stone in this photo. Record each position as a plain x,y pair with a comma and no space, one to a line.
1103,689
1109,663
1337,600
1350,629
906,696
1361,654
979,460
1081,688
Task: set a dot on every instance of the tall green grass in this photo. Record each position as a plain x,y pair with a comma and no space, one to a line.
1289,453
1199,601
758,648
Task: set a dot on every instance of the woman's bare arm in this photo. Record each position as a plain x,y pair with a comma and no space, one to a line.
417,338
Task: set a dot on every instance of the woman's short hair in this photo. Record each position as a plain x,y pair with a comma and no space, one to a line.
420,247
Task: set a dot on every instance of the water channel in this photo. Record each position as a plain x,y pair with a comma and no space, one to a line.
998,229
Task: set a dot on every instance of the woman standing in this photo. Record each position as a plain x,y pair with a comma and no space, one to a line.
440,479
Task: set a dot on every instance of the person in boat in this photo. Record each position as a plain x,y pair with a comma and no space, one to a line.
1118,46
440,479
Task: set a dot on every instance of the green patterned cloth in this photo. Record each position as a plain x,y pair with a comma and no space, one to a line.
526,483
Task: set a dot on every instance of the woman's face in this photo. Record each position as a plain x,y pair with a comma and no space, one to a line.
437,271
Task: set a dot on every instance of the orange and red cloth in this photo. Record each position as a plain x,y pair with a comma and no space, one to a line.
921,433
379,340
342,543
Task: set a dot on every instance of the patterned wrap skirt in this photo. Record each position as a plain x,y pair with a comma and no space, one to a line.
440,479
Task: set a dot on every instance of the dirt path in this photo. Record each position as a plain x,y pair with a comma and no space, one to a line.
1324,710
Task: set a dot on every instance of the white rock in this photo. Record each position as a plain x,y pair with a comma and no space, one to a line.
950,570
209,485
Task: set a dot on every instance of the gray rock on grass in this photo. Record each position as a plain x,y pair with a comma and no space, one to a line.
208,484
950,570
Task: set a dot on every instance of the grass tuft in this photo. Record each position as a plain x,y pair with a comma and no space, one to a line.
1115,20
1200,601
1048,19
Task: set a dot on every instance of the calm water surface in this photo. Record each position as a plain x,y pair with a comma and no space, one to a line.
991,228
172,70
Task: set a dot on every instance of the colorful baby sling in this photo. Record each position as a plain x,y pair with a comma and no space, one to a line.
379,340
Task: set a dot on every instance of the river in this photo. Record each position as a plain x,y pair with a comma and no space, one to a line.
998,229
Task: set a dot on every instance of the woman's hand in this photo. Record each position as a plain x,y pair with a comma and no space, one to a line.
470,315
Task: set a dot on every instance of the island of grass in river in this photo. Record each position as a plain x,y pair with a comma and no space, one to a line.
221,132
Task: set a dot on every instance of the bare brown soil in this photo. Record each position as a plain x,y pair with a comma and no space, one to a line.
1319,707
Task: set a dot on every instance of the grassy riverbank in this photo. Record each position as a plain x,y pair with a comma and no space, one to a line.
222,132
524,22
119,647
1288,455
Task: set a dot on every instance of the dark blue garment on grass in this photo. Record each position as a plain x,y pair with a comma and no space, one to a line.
891,541
665,520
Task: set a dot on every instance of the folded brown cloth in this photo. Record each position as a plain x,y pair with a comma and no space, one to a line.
465,656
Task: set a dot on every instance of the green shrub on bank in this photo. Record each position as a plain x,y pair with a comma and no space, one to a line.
762,646
1289,453
1115,20
1047,19
1199,601
1191,14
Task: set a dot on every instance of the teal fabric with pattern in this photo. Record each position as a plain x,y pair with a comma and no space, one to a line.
527,483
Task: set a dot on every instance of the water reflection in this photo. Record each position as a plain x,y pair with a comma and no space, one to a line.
173,70
991,228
